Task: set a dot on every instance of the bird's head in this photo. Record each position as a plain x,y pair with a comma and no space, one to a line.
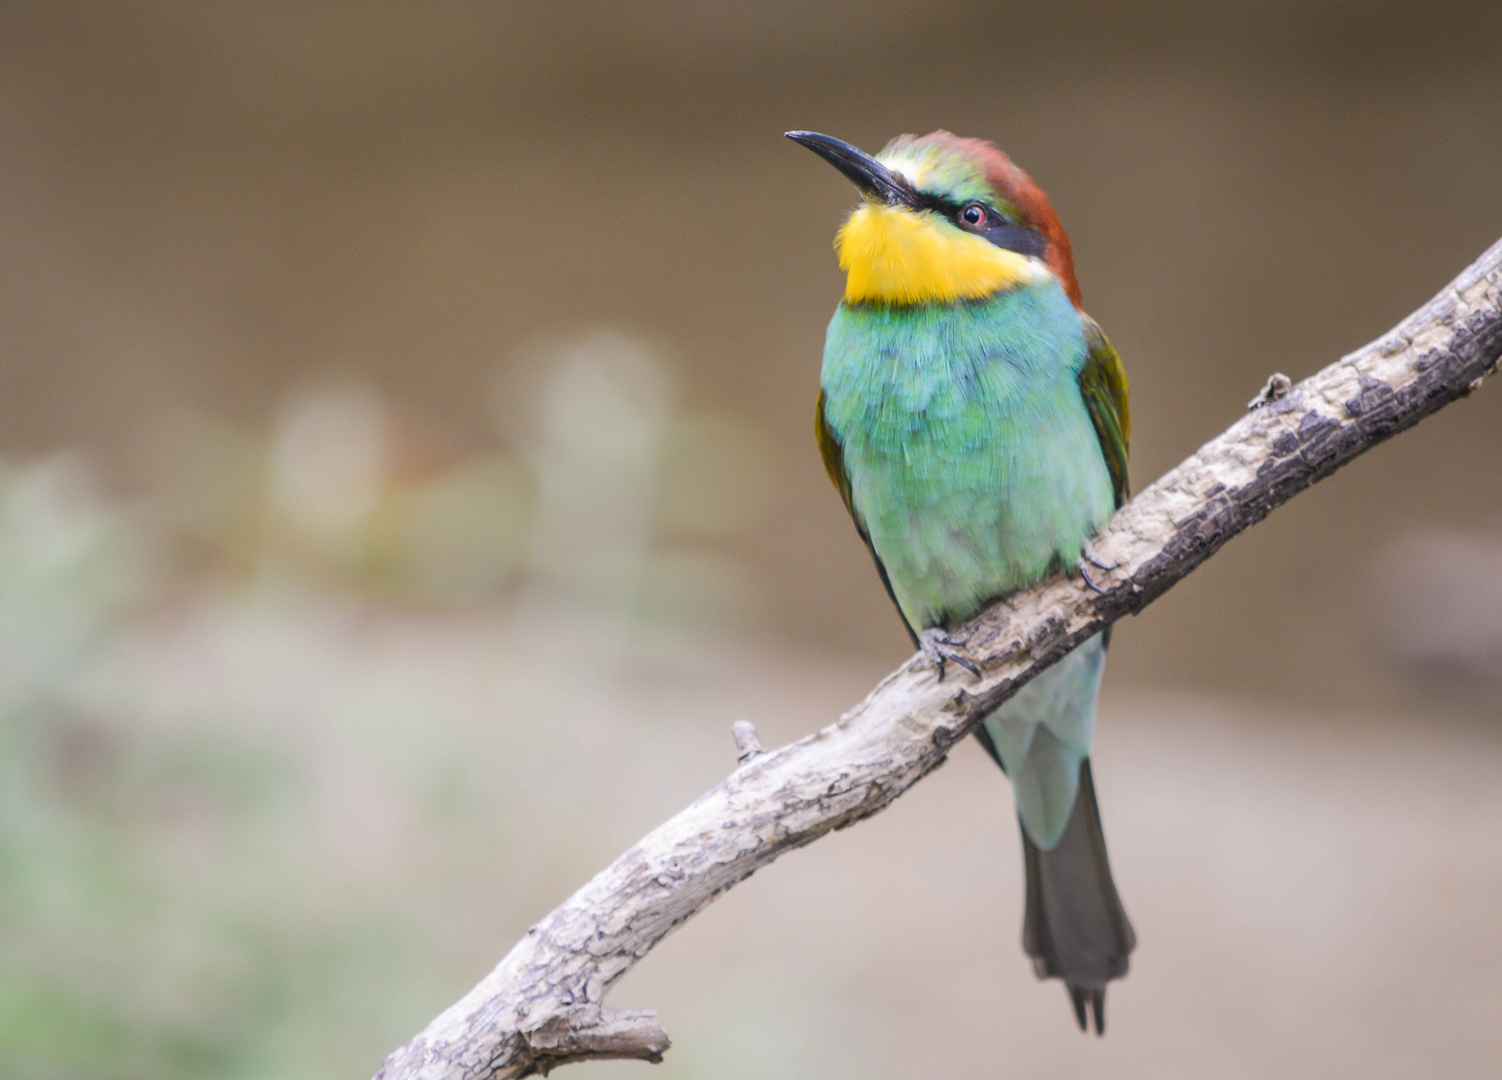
942,219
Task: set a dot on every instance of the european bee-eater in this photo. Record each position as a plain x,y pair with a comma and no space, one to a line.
974,420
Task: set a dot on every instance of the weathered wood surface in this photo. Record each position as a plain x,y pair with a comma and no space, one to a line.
542,1005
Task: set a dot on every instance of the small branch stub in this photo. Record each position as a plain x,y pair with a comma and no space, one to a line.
581,1032
746,740
1275,389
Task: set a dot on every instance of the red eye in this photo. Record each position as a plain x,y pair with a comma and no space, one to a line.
973,215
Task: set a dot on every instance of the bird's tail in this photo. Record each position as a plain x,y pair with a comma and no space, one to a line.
1075,928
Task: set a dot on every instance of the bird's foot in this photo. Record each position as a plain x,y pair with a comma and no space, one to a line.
938,647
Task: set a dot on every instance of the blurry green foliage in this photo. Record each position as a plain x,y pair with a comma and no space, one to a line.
161,911
222,834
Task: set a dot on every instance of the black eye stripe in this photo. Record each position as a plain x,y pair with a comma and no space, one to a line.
1022,239
1018,238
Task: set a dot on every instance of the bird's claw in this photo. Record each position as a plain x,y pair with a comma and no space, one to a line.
938,647
1088,555
1094,560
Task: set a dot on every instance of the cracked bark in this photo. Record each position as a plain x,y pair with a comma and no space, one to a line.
542,1004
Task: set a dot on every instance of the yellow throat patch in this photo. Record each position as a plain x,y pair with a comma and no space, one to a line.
893,255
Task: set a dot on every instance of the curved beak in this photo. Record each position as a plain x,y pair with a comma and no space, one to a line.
874,179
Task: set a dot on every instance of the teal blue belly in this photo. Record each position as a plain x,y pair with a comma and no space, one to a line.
975,470
973,464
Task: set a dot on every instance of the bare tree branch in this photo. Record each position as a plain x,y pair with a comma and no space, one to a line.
541,1006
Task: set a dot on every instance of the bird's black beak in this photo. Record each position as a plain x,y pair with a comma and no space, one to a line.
873,178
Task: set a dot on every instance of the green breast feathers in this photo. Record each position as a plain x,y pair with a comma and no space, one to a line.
977,444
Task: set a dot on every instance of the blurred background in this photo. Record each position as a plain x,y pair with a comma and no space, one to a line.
367,371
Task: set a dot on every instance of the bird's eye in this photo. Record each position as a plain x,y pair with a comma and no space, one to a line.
973,215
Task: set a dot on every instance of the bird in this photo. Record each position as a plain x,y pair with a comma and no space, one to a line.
975,422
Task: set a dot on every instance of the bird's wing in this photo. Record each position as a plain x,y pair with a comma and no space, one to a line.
1103,385
834,464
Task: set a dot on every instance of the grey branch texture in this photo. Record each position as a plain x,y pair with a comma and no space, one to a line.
542,1006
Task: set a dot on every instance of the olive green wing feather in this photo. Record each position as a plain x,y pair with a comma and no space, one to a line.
1103,385
834,464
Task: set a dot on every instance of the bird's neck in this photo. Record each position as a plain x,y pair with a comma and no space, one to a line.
893,255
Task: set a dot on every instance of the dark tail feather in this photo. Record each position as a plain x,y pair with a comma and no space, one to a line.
1075,928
